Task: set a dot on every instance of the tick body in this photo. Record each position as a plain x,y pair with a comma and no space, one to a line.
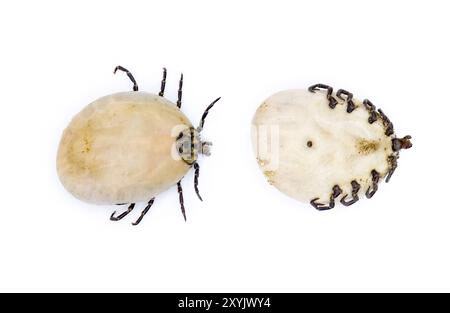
128,147
324,147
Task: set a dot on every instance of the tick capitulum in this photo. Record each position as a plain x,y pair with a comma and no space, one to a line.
128,147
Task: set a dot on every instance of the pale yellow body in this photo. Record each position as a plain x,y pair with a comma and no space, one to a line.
120,149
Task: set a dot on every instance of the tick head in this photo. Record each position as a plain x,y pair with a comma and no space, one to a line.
206,148
200,146
189,145
401,143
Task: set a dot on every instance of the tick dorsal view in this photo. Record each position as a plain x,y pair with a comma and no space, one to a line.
321,147
128,147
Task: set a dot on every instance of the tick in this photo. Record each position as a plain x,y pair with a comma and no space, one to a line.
128,147
322,147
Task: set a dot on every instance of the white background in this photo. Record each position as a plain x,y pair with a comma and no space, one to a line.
57,56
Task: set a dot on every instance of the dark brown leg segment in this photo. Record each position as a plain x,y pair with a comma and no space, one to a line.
180,91
205,114
349,99
332,102
130,76
180,193
163,83
375,179
355,189
147,208
121,216
371,108
321,207
196,175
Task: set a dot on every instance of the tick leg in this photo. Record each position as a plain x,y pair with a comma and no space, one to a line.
121,216
180,193
349,98
369,105
355,189
348,203
387,123
391,172
147,208
130,76
336,192
180,91
372,190
393,165
316,87
163,83
321,207
371,108
205,114
332,101
197,174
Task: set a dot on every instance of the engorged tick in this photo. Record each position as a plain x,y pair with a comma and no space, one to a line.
129,147
355,146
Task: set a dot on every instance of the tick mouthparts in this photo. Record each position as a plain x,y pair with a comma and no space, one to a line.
206,148
401,143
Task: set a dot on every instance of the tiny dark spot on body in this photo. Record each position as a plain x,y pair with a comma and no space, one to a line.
309,144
